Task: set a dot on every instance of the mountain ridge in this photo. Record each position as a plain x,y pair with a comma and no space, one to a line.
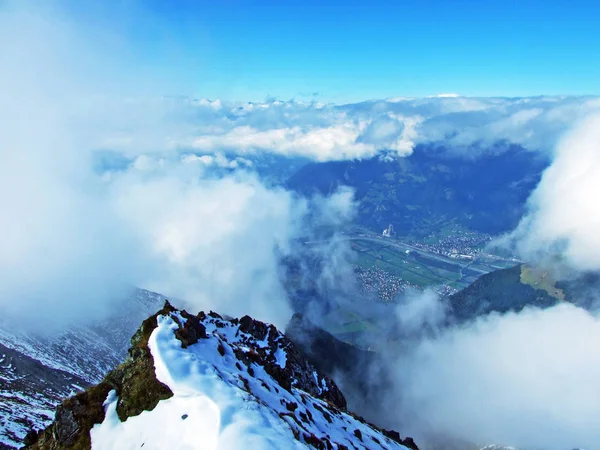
208,357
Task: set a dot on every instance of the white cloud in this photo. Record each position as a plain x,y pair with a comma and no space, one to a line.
564,217
214,242
52,211
445,95
526,380
217,160
73,240
329,132
341,141
419,311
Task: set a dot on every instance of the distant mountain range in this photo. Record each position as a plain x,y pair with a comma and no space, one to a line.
433,187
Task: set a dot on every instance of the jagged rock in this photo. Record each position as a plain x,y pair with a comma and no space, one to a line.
410,443
191,330
254,327
331,355
407,442
77,413
298,371
31,437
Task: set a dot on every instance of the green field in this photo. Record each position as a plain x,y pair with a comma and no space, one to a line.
412,267
416,266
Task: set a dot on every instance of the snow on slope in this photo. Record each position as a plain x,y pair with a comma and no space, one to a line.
89,350
29,392
230,391
38,371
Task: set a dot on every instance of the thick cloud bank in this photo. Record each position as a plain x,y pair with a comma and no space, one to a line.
177,211
76,236
564,214
526,380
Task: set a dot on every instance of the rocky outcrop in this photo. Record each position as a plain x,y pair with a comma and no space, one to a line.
298,371
135,383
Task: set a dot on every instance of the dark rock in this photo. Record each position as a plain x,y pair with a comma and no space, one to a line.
410,443
134,382
314,441
66,426
31,437
292,406
395,436
138,389
192,330
167,307
392,434
255,328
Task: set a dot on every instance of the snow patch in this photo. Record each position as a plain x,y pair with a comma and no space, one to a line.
281,358
186,423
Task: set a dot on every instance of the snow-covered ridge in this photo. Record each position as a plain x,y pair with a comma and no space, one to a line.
230,384
241,384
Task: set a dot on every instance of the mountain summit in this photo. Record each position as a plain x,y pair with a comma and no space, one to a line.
208,382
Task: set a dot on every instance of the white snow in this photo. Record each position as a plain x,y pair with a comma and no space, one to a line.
280,357
177,422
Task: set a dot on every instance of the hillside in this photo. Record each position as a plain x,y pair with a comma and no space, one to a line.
432,188
38,371
521,286
499,291
206,381
29,393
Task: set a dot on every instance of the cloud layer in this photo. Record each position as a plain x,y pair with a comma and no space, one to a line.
326,132
525,380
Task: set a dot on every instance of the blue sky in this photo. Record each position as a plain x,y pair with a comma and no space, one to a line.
355,50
